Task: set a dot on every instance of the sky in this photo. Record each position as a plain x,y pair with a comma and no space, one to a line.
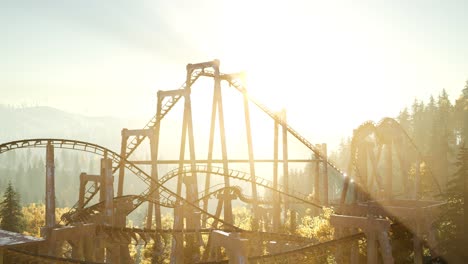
331,64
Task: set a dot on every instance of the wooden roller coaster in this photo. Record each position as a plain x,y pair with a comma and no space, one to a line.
381,189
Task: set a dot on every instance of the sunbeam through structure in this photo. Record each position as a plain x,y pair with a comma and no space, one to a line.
380,190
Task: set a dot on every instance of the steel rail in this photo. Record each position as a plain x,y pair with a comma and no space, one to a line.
165,192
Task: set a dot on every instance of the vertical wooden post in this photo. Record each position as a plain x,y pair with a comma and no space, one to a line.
123,156
51,248
50,187
386,247
251,162
154,146
317,179
82,190
345,189
361,179
210,153
285,163
276,197
417,246
107,188
371,247
325,174
227,199
465,215
389,180
417,180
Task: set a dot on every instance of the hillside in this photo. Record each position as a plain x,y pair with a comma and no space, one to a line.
48,122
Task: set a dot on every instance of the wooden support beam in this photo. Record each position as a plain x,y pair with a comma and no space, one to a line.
123,155
253,183
365,223
276,198
285,163
50,187
219,161
325,174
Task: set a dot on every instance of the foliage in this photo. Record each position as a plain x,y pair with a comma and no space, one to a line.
243,218
317,227
34,215
160,252
451,224
10,211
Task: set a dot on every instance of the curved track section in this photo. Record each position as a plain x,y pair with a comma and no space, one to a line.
236,83
388,130
128,235
239,175
166,195
131,202
167,106
20,256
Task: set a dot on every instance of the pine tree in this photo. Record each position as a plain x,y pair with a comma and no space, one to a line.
461,114
10,211
452,226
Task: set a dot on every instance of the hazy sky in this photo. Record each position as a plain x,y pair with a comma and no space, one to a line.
332,64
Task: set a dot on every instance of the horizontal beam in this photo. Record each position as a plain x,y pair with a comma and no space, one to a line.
202,65
148,162
178,92
364,223
136,132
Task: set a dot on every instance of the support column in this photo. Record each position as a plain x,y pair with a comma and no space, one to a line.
82,190
417,245
154,146
325,174
317,179
285,163
417,181
193,219
227,197
371,246
50,187
123,155
107,188
210,153
362,177
389,180
276,197
251,162
51,246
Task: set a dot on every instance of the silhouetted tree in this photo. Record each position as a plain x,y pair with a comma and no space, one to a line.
461,114
10,211
451,227
404,119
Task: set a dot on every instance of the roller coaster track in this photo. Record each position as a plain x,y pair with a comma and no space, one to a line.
233,81
382,135
137,234
136,200
166,194
19,256
136,141
127,234
308,252
239,175
164,110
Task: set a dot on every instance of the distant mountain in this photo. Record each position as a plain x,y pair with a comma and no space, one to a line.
48,122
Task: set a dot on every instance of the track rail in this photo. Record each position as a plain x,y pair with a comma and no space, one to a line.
167,106
138,234
166,194
388,129
236,83
21,256
239,175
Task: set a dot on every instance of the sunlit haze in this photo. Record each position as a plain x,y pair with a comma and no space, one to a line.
331,64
